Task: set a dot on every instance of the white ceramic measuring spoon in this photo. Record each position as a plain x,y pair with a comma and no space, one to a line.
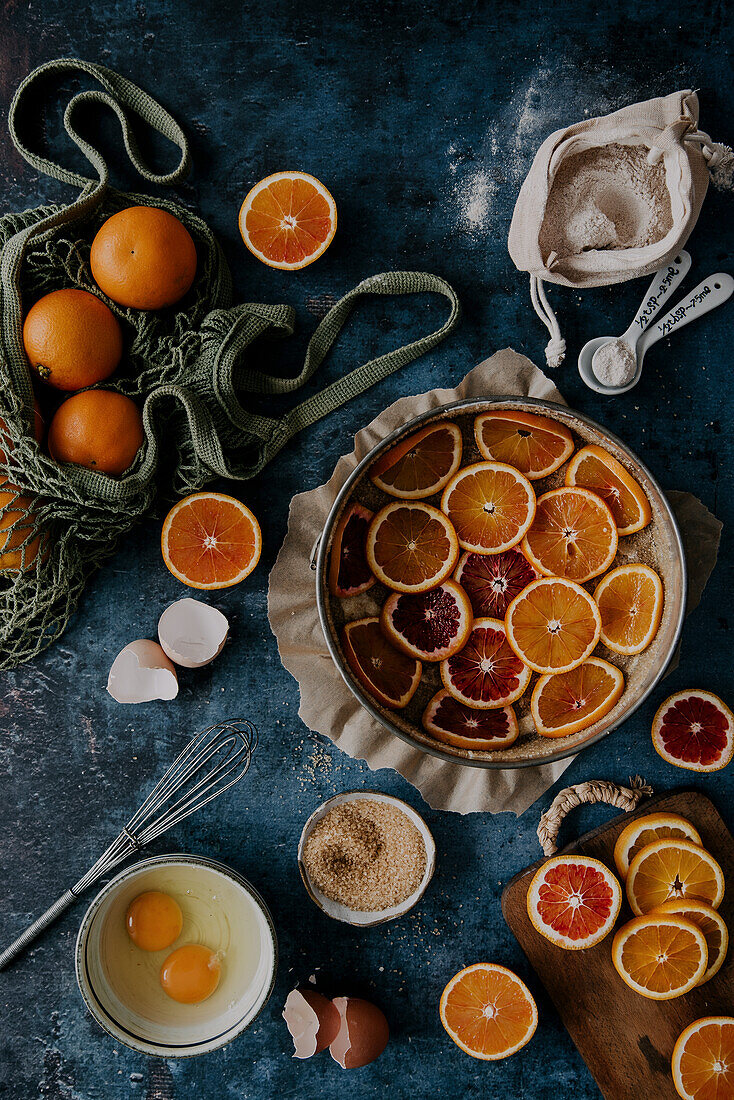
664,282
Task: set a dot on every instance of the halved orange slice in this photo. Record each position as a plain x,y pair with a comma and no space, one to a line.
594,468
454,723
703,1059
388,676
535,445
571,701
349,573
630,601
694,730
491,506
430,626
712,925
573,535
553,625
671,869
411,546
485,674
645,830
488,1011
420,465
660,956
491,581
574,901
288,220
211,540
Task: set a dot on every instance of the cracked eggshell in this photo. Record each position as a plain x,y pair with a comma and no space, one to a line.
142,672
312,1020
192,633
363,1033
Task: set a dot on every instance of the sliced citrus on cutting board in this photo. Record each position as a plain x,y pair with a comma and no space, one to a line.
671,869
454,723
411,546
571,701
211,540
645,830
711,923
430,626
420,465
660,956
491,506
574,901
703,1059
491,581
387,675
486,673
630,601
594,468
553,625
488,1011
573,535
533,444
288,220
349,573
694,730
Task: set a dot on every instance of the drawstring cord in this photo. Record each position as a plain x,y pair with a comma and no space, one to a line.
555,349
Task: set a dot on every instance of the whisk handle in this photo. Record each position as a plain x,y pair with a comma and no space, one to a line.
36,928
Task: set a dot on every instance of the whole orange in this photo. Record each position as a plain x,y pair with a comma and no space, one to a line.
143,258
72,339
16,523
99,429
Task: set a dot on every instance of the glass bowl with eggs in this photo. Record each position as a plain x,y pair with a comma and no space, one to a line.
176,956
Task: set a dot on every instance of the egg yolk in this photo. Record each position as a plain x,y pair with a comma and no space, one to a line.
154,920
191,973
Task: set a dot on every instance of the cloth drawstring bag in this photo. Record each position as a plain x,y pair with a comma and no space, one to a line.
185,366
668,128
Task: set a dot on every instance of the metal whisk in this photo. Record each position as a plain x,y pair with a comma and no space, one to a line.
212,762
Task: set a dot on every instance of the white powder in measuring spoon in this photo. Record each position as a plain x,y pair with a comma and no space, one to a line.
614,363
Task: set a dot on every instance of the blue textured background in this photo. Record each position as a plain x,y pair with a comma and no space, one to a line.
408,112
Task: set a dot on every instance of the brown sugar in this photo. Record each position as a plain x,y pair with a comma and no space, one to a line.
365,854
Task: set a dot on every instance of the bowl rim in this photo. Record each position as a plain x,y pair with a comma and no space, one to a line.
321,565
375,916
106,1021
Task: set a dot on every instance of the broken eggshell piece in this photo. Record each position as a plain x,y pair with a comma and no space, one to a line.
142,672
192,633
312,1020
363,1033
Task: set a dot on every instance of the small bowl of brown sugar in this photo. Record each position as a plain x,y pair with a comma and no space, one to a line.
365,857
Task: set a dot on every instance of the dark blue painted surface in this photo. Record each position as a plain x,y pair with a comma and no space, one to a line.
404,110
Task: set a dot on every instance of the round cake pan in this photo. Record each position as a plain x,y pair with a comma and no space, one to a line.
659,544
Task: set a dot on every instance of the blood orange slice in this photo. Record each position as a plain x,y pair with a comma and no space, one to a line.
491,506
488,1011
411,546
712,925
553,625
288,220
660,956
645,830
703,1059
390,677
535,445
594,468
694,730
630,601
575,700
211,540
349,573
573,535
672,869
452,722
428,625
574,901
491,581
421,464
485,674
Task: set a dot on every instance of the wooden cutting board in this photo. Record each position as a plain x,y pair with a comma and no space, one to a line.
626,1040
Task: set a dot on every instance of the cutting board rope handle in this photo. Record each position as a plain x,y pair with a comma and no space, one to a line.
594,790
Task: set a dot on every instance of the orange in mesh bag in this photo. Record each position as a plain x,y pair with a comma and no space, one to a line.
610,199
